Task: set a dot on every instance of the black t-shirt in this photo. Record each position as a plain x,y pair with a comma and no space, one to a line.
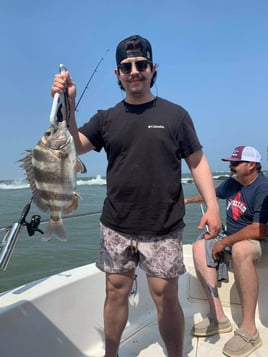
144,146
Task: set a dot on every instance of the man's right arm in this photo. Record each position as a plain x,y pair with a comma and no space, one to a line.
82,144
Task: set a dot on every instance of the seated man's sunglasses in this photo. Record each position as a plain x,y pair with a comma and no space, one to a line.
140,65
237,163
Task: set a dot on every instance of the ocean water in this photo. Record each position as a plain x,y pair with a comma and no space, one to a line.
33,259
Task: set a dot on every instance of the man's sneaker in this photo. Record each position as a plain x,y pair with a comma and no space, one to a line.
210,327
242,344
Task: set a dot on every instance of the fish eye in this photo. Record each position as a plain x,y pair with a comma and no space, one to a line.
47,133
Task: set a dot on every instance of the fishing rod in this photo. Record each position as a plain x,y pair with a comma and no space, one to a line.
203,212
8,243
90,79
64,218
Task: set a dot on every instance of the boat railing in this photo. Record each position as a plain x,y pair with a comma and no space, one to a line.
12,232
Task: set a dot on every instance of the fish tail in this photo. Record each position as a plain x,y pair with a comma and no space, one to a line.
54,228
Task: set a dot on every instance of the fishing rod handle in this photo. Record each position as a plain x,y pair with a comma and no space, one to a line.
57,101
62,68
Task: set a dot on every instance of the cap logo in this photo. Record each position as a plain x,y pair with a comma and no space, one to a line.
235,153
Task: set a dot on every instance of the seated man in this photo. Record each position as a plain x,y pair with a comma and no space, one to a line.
246,195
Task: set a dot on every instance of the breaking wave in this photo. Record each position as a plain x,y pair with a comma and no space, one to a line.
99,180
89,181
20,184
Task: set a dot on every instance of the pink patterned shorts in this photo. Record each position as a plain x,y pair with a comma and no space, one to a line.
158,256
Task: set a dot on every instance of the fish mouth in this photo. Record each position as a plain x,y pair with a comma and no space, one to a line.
67,142
62,146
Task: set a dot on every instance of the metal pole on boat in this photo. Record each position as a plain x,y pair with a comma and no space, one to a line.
8,244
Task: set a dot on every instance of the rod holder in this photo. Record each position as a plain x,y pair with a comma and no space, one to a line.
8,244
10,239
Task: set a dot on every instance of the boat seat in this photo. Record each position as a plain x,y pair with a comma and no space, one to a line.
228,291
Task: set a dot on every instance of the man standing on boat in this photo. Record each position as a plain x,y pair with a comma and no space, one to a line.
246,195
145,137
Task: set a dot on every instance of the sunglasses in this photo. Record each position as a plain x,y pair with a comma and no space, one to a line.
140,65
236,163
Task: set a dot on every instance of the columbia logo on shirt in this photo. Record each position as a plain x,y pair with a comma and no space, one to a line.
156,127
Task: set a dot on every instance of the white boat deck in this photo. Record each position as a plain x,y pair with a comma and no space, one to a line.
61,316
147,343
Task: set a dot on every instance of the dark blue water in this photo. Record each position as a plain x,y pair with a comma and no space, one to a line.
33,259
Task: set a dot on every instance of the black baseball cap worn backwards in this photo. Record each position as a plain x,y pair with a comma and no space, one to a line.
134,46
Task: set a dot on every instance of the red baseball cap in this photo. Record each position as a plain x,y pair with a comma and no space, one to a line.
244,153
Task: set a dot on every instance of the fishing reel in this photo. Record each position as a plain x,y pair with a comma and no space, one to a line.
33,225
9,241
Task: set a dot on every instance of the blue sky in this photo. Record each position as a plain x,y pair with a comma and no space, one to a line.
212,57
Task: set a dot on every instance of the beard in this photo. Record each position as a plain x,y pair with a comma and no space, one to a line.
233,174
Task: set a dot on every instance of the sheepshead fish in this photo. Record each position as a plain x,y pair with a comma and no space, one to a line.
51,169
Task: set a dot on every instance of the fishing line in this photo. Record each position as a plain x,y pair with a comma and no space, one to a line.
90,79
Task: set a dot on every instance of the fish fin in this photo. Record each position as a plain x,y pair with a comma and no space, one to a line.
54,228
74,205
80,166
28,167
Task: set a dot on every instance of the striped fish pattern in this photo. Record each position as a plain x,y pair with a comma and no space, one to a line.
51,169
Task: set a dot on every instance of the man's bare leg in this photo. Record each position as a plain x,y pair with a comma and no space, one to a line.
118,287
170,315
